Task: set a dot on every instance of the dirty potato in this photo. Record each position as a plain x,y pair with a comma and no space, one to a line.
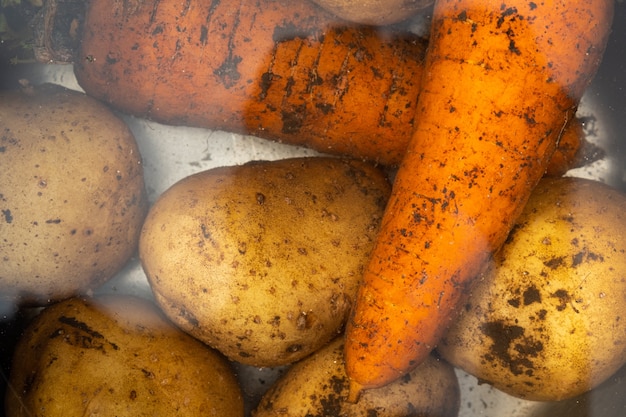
375,12
116,356
547,321
262,261
72,197
318,386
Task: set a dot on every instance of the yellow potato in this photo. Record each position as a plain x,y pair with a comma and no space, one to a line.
547,321
318,386
116,356
262,261
375,12
72,196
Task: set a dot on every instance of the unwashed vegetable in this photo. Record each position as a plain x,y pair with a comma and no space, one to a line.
318,386
280,69
116,356
546,321
501,80
276,69
72,194
572,150
375,12
261,261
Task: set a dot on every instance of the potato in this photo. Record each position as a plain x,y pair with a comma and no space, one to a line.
72,196
318,386
262,261
116,356
547,321
375,12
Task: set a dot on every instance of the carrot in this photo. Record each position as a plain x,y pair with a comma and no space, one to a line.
287,72
278,69
501,79
568,148
573,149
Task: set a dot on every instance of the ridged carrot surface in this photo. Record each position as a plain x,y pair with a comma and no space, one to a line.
278,69
284,71
501,80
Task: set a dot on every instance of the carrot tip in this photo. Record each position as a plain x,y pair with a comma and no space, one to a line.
354,391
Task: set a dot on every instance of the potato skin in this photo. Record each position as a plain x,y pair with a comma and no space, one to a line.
261,261
375,12
116,356
72,194
318,386
546,322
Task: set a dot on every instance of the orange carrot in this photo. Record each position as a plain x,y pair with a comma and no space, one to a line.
278,69
501,80
569,146
573,150
284,71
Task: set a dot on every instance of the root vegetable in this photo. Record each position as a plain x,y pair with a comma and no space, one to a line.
277,69
501,80
283,71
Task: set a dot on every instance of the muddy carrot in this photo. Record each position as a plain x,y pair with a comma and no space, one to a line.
501,80
277,69
574,149
287,72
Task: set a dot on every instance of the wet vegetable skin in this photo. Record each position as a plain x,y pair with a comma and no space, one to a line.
318,387
280,70
277,69
501,80
72,194
116,356
261,261
545,322
375,12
